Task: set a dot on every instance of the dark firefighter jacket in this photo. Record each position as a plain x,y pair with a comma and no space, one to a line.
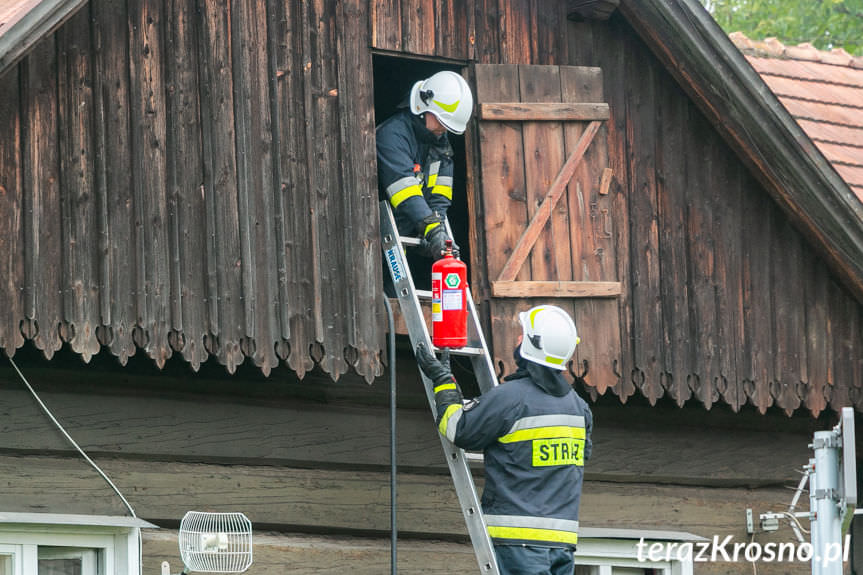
414,171
534,431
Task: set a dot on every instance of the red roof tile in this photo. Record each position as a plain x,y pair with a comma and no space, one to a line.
823,91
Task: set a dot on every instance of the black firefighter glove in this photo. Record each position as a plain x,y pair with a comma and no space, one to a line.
434,241
446,389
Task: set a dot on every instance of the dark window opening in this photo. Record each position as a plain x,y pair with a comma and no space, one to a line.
393,79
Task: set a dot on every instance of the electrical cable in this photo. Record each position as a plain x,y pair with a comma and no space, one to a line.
69,437
393,468
85,456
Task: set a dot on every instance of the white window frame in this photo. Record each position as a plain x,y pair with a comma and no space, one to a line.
115,541
604,549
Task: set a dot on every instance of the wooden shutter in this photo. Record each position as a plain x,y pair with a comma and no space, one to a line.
544,207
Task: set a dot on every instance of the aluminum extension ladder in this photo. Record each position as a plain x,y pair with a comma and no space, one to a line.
477,350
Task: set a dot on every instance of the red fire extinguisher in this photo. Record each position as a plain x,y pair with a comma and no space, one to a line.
449,301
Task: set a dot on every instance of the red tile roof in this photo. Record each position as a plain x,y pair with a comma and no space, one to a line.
823,91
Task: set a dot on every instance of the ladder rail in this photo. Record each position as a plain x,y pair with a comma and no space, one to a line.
457,461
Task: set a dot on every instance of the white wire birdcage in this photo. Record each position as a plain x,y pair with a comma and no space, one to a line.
216,542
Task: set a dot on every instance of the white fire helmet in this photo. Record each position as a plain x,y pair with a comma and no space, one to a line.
447,96
549,336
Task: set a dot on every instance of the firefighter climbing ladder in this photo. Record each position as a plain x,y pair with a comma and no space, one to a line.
409,302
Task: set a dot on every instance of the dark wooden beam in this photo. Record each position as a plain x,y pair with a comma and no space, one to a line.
715,74
36,20
590,9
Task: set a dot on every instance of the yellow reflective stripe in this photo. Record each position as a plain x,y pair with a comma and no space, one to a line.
430,227
444,422
432,180
554,360
445,191
404,194
533,534
558,431
444,386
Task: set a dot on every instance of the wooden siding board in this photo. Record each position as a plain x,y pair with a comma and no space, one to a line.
293,200
149,169
418,26
255,181
815,281
789,309
79,224
114,174
11,215
516,40
329,218
359,193
672,188
704,175
641,127
184,185
220,184
727,279
487,15
452,39
41,189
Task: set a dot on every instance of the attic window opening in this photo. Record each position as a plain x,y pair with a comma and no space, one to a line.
393,78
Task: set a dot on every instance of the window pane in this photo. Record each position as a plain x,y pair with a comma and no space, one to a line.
59,567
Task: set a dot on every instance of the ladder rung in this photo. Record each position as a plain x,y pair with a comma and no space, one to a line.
472,351
410,241
423,293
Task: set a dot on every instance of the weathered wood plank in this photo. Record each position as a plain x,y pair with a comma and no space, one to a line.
703,175
555,289
75,117
11,215
114,175
385,22
550,33
186,207
359,192
672,190
149,178
255,182
542,111
504,200
486,39
641,136
591,232
818,357
418,26
516,38
330,219
452,39
220,185
539,219
591,9
790,308
41,196
543,156
292,201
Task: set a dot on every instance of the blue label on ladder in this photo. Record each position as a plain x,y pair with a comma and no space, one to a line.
394,265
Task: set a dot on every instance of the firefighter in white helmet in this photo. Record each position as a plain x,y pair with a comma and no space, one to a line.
535,434
415,164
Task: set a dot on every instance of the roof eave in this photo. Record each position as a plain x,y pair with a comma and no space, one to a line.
42,19
716,75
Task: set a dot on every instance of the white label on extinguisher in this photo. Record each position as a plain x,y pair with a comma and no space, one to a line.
437,313
452,299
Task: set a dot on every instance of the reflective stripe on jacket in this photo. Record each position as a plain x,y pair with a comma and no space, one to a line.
535,445
415,170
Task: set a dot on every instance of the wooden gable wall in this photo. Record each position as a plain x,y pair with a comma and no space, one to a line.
724,301
195,178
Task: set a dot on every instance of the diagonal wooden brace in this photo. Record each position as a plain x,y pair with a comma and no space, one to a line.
530,235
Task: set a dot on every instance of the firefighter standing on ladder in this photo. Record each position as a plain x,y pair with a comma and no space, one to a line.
415,165
534,431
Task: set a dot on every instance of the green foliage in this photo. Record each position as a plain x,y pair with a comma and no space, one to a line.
826,24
